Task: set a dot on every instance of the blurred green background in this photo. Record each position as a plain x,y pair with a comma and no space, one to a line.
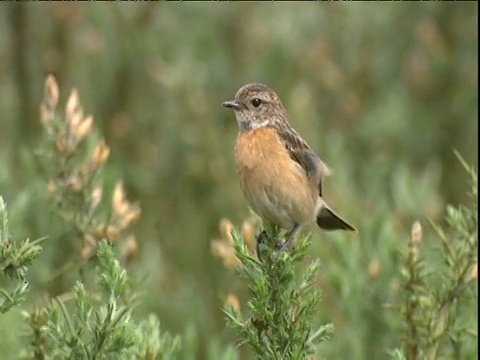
383,92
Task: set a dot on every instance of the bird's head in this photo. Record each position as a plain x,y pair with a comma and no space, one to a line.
256,106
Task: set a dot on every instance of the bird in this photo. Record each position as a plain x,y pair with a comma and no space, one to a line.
280,175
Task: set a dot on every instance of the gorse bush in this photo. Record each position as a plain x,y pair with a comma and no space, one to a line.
75,175
440,298
283,305
82,324
98,324
94,319
15,258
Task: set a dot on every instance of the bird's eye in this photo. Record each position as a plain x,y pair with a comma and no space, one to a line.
256,102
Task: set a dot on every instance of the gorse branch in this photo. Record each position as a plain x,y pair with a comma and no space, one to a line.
440,298
279,323
99,324
74,159
15,257
94,319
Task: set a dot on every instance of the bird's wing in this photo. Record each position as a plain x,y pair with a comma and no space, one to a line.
304,155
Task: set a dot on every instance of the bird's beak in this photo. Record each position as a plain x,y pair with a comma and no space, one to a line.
234,104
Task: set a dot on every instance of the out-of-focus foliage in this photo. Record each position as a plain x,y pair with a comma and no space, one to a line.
438,297
383,93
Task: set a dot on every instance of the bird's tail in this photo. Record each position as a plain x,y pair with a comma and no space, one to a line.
327,219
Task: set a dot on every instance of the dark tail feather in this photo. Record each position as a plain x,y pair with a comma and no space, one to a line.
328,220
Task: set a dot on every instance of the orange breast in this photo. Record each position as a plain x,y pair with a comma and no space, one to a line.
276,187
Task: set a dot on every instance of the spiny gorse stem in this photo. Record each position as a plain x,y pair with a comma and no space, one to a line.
440,298
98,323
15,257
279,323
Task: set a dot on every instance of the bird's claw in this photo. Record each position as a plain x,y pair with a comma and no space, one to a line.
287,246
261,239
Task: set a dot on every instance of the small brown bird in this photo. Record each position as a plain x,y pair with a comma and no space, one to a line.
280,175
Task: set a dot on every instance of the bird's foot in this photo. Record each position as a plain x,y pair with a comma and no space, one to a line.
262,239
287,246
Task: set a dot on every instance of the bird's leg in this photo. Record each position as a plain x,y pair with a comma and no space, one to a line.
291,237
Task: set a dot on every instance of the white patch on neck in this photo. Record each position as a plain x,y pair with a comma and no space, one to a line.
249,125
255,125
